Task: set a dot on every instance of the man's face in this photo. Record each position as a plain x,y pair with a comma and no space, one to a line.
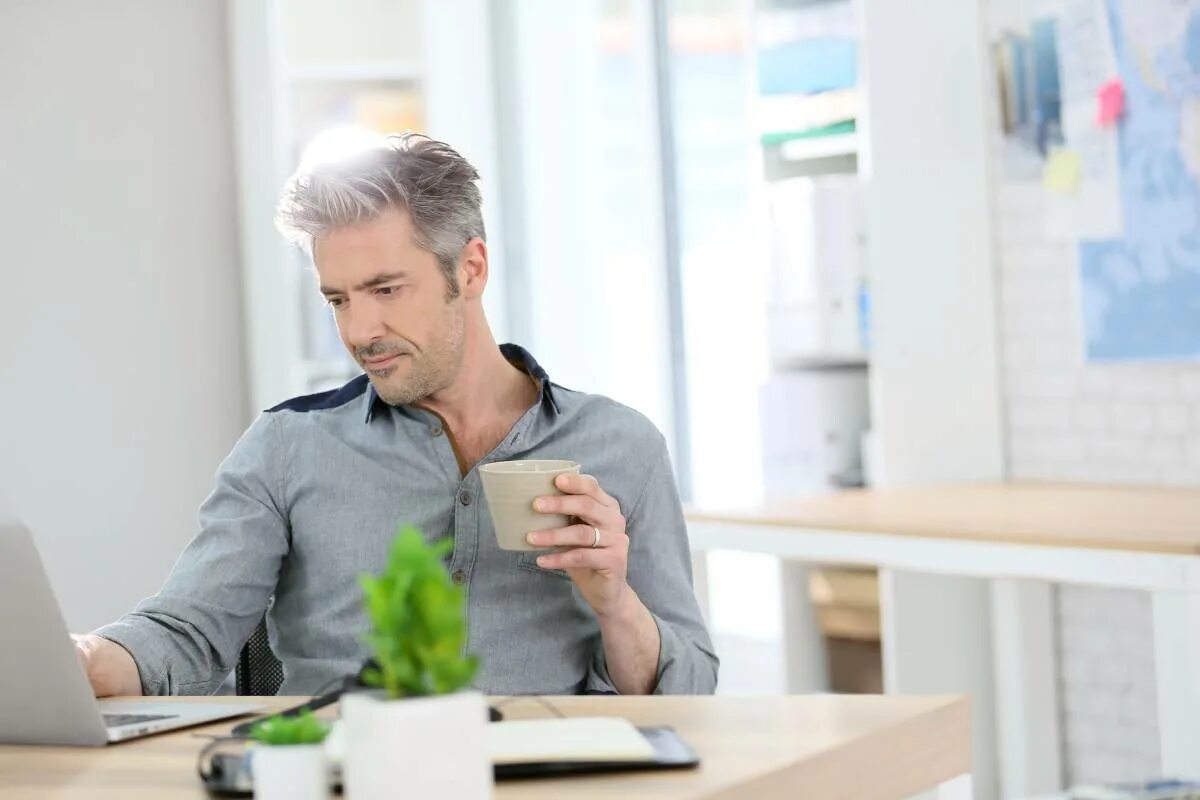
390,301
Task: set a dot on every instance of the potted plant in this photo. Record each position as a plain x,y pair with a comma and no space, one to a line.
417,734
289,763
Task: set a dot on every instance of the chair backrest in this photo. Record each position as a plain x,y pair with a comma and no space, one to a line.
258,671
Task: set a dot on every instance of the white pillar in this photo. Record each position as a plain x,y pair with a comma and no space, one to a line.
1026,684
1177,661
805,665
937,640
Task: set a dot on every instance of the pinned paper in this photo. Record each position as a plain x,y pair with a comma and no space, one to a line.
1063,171
1084,197
1111,102
1087,58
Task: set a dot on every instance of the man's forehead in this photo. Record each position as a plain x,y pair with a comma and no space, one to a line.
390,230
357,253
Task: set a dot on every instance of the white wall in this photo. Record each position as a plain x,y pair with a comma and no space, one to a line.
121,374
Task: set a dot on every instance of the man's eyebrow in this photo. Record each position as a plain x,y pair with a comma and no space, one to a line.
380,279
370,283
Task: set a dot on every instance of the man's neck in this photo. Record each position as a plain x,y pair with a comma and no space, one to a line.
484,401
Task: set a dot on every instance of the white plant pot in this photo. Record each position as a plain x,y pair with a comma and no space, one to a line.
290,772
427,747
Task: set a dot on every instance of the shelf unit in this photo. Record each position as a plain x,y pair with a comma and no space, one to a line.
800,150
806,158
816,362
814,403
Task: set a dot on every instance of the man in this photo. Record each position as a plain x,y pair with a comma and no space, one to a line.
312,494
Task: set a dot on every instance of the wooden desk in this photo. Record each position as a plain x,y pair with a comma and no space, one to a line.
782,747
1096,517
931,544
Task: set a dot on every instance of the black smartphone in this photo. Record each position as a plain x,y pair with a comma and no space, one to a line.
670,752
228,775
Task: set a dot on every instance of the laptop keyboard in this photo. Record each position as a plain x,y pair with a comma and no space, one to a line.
116,720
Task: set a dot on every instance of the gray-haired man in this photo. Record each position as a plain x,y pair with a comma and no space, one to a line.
312,493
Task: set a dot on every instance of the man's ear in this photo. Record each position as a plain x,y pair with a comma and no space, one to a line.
473,269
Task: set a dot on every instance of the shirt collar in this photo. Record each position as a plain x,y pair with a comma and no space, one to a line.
518,356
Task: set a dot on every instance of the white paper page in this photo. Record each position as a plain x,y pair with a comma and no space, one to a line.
573,739
1087,60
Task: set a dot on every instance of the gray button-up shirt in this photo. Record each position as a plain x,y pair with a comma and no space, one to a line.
311,497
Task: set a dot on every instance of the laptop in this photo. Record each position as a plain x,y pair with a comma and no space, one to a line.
45,697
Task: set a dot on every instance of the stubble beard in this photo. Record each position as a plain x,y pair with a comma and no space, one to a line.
430,370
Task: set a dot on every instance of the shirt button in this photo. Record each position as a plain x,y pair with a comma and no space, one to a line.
459,577
435,431
464,497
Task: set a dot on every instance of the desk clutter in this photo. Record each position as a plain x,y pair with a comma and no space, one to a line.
765,747
539,748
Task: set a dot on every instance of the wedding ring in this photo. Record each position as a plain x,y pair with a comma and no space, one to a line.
596,541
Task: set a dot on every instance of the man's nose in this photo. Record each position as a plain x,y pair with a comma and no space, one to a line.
363,325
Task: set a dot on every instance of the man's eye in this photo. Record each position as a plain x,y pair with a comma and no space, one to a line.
335,302
388,290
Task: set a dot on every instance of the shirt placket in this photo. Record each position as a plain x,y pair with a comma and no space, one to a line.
466,531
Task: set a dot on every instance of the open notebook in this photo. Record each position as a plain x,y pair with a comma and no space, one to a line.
574,739
543,748
575,745
539,741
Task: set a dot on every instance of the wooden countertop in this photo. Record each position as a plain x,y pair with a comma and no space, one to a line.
762,747
1099,517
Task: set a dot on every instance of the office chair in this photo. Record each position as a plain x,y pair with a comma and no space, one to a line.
258,671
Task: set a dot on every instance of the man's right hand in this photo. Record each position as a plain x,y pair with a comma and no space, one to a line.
109,667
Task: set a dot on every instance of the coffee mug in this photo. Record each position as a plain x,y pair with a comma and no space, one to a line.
511,487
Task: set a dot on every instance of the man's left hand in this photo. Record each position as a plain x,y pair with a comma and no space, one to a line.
598,558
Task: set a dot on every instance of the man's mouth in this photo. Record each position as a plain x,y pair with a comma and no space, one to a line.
382,362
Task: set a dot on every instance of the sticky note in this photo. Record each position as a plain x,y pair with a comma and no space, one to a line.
1063,171
1110,102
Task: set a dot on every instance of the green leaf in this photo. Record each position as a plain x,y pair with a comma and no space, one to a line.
417,620
303,728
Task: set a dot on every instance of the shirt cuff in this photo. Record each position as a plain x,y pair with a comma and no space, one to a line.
145,646
670,649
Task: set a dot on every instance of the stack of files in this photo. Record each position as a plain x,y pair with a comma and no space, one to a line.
807,72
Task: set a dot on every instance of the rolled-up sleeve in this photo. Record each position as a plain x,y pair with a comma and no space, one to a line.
660,571
185,639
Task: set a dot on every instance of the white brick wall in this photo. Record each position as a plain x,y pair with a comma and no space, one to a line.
1106,684
1068,420
1072,421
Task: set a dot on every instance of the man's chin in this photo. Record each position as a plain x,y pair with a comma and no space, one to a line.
390,390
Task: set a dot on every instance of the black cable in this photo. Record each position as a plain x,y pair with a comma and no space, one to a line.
320,701
536,698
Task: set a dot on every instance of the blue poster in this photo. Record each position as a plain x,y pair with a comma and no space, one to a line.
1141,293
